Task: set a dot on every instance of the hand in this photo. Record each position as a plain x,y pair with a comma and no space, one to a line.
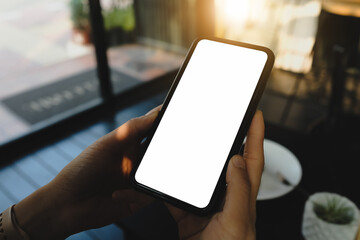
92,190
237,219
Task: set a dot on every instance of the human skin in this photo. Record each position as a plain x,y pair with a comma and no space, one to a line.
238,216
93,190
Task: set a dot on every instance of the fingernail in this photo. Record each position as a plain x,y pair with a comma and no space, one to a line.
238,162
149,115
155,110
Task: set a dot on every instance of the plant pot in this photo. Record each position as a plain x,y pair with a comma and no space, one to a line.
314,227
81,36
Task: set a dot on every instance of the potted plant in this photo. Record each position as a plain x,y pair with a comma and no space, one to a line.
80,21
119,21
330,216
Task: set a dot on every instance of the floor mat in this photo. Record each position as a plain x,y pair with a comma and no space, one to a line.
41,103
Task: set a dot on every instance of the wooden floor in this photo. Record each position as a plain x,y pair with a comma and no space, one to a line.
27,174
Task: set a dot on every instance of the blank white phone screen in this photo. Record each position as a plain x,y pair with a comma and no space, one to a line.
191,144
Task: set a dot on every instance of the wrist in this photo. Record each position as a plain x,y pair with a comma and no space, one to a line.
42,215
251,233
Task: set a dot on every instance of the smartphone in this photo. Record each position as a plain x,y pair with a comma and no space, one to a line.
202,123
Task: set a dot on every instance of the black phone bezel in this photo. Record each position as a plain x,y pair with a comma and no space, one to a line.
220,187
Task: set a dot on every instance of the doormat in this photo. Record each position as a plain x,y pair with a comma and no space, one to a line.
42,103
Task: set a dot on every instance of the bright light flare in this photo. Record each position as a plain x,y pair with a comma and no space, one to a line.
230,14
236,11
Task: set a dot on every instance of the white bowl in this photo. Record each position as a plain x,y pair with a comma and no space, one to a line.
279,161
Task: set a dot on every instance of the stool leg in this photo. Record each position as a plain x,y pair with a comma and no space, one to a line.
337,88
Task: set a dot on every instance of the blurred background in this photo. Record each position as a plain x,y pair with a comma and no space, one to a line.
47,50
73,70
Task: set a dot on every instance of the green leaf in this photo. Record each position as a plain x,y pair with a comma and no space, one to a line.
120,18
334,212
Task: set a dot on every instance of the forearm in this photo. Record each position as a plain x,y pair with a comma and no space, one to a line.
43,215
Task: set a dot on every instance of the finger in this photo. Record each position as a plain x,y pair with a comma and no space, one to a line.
191,225
254,153
136,128
176,213
237,202
155,109
133,199
133,130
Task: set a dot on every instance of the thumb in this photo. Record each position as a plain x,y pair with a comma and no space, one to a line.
133,130
237,202
136,128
